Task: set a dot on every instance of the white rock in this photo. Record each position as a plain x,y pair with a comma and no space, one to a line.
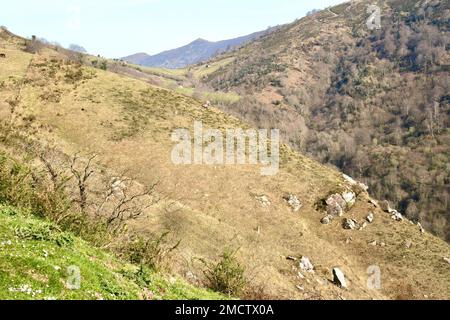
294,202
349,197
339,278
349,179
374,203
264,200
397,216
350,224
306,265
370,217
447,260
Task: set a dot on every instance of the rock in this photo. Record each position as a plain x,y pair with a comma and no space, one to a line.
386,207
363,186
349,197
350,224
336,205
339,278
353,182
294,202
364,225
349,179
370,217
373,243
327,220
374,203
306,265
447,260
397,216
264,200
300,288
408,244
207,104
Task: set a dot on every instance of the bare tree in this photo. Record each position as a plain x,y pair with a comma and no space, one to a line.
82,177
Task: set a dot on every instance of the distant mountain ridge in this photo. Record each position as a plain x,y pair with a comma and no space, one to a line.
197,51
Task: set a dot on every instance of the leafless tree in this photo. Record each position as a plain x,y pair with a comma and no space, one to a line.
82,176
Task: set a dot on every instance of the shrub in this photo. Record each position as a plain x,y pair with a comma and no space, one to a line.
149,252
226,275
43,231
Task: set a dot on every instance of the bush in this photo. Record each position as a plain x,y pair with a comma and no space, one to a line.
43,231
227,275
149,252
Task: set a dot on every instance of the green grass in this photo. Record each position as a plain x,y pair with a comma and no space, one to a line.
38,261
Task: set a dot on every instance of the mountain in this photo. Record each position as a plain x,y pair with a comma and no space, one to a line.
374,102
197,51
86,149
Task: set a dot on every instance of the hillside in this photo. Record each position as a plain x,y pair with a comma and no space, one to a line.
197,51
38,261
375,104
48,99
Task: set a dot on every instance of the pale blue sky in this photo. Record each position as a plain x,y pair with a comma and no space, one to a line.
116,28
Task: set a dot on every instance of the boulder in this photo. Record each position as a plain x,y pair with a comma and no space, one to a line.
349,179
339,278
349,197
350,224
447,260
336,205
353,182
370,218
327,220
306,265
293,202
386,207
397,216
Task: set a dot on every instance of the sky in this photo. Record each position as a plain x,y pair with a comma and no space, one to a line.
117,28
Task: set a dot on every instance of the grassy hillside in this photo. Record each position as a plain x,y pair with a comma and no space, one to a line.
373,103
38,261
52,100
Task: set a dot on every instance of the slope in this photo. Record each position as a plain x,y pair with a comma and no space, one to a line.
374,103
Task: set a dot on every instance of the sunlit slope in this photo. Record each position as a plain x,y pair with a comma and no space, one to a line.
129,124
